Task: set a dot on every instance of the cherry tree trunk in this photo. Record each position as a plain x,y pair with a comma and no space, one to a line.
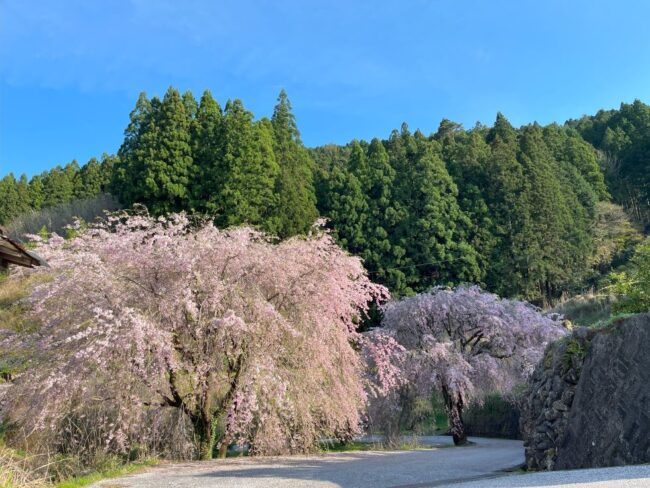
223,448
204,432
454,407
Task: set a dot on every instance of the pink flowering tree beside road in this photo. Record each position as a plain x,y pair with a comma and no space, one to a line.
248,340
466,342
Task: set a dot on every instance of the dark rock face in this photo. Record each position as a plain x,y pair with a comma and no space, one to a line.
546,406
609,422
589,400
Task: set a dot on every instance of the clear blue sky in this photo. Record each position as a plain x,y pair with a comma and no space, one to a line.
70,70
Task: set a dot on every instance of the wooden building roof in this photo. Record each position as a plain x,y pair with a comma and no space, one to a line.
12,252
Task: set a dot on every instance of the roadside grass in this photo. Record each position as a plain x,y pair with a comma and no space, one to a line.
410,442
356,446
111,472
16,471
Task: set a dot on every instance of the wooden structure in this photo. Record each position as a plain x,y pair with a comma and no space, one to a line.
12,252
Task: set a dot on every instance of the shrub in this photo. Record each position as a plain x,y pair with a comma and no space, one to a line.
634,284
496,416
58,217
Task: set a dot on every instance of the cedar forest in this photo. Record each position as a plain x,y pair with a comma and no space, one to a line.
514,210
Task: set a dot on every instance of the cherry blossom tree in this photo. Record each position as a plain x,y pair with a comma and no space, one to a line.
252,341
465,343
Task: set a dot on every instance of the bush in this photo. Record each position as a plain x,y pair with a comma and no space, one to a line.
495,417
634,284
587,309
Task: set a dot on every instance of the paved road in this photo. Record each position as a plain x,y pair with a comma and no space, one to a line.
435,466
481,465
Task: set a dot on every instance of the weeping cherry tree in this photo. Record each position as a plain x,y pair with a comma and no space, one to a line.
464,343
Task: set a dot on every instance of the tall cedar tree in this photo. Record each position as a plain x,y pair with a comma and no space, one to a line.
504,193
467,156
431,234
346,205
207,150
380,221
295,186
250,171
156,156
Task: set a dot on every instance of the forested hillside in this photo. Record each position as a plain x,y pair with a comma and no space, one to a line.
516,210
623,139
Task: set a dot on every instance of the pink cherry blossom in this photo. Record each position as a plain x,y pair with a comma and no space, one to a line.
465,343
242,339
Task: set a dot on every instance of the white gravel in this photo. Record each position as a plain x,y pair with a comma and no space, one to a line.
619,477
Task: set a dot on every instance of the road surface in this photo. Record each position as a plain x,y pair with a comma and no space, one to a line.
487,463
374,469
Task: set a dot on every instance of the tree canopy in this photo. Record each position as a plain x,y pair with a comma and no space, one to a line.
512,209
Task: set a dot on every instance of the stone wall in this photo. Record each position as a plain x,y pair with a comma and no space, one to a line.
588,403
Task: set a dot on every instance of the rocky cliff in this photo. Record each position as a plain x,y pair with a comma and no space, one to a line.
588,403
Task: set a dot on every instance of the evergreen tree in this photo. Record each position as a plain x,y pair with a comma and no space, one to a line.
347,210
156,154
504,195
555,247
431,234
126,182
249,170
466,156
621,136
380,221
295,185
14,197
567,146
89,179
59,184
36,192
207,150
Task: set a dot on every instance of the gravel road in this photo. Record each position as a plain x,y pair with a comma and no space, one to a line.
435,466
482,465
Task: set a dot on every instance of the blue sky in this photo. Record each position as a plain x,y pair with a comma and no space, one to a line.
71,70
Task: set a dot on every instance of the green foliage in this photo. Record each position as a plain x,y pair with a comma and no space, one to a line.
156,158
510,209
634,284
615,237
522,212
621,136
111,468
14,196
296,209
180,155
